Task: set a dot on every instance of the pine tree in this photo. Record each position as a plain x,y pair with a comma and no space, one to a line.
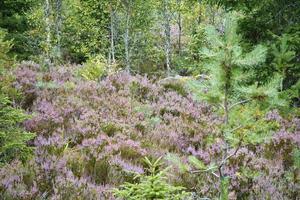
12,137
283,55
227,63
151,185
228,67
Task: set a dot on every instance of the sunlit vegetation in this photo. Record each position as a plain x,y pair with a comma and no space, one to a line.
149,99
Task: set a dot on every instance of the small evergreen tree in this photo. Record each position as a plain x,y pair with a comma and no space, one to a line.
151,186
283,55
229,68
227,63
12,137
5,47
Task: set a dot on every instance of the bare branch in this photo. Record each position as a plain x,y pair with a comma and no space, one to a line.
216,175
231,155
236,128
222,106
203,170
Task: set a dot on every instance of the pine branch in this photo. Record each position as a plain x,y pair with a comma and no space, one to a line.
256,56
227,157
203,170
238,103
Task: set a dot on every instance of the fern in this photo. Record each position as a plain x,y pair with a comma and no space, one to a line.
296,158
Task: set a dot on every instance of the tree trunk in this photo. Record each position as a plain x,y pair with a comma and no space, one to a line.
58,25
47,11
224,181
126,37
282,79
167,30
112,35
179,23
199,16
226,117
227,85
224,194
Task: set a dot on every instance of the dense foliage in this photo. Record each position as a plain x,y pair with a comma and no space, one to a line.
13,138
152,186
95,133
156,99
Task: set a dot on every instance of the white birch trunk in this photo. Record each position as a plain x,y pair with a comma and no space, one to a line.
126,37
179,23
167,31
47,10
112,35
58,25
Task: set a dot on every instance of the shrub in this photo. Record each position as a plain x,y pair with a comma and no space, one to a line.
92,135
5,47
13,138
151,186
94,68
177,87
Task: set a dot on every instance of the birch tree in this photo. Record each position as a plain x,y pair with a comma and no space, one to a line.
128,7
179,23
53,25
48,48
112,35
58,25
166,22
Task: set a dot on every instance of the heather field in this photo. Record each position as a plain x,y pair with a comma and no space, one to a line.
149,100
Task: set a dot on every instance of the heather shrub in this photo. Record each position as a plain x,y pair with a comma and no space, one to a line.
177,87
260,169
26,78
101,130
17,182
92,137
